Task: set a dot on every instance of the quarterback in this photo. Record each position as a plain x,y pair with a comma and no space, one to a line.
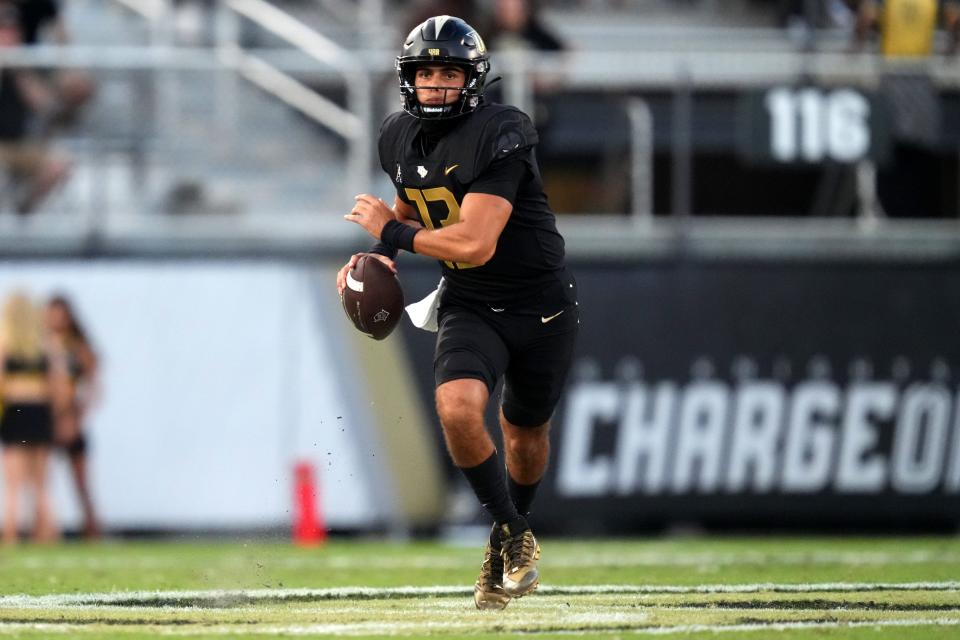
469,194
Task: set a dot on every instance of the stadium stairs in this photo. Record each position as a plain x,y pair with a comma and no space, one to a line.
160,142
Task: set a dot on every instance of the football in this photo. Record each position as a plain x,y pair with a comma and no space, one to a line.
373,298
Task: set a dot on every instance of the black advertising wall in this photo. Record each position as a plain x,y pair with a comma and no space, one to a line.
748,394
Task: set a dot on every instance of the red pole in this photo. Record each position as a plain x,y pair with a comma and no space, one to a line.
308,526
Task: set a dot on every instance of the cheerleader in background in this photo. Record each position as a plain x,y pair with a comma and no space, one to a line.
67,335
33,386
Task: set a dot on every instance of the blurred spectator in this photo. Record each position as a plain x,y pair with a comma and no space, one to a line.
818,13
907,27
466,10
68,337
505,24
517,24
37,15
33,169
909,184
32,384
42,20
803,17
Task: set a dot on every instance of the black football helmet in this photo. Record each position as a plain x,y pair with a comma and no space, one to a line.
443,40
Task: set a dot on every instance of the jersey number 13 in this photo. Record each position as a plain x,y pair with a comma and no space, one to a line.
438,194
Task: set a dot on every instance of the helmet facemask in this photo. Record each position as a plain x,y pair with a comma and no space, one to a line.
471,94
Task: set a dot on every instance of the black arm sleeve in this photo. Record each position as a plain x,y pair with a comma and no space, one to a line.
502,178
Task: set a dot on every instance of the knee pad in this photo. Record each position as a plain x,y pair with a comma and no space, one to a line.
523,415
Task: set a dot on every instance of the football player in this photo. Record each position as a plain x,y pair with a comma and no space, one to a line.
469,193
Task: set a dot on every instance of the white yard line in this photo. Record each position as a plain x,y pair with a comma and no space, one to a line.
366,628
134,598
407,628
652,558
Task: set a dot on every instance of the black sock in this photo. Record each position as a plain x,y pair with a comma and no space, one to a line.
522,494
496,540
489,485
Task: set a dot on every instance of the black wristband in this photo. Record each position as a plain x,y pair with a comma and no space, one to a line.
397,235
383,250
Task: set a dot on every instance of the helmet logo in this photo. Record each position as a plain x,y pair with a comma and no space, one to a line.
433,52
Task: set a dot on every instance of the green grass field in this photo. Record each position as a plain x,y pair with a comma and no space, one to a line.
684,588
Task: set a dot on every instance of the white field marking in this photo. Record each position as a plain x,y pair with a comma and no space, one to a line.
143,598
549,606
652,558
786,626
406,628
559,560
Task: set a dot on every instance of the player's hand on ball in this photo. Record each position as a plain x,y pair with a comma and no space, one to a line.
352,262
373,297
370,213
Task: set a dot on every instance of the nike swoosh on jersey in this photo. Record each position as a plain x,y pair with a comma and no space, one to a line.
447,171
546,319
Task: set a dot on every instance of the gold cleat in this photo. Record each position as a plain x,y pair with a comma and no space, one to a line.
520,553
488,590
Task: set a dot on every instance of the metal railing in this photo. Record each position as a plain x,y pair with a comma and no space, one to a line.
352,123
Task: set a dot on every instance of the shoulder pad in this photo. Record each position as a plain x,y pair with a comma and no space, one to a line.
507,131
391,133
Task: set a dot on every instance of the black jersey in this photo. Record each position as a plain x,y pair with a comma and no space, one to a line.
34,16
490,151
14,112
